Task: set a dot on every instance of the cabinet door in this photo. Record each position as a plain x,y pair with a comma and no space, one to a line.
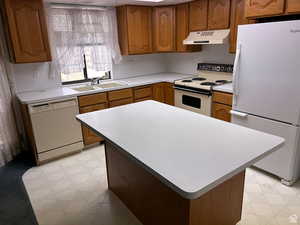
28,35
218,14
89,137
293,6
237,18
198,15
139,23
263,8
182,29
221,112
158,92
169,94
164,29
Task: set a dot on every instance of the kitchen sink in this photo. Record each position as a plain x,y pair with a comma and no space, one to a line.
84,88
99,86
110,85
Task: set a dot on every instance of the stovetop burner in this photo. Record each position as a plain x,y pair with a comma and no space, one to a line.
187,81
222,81
199,79
208,84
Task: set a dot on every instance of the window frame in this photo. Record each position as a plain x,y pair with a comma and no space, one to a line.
85,74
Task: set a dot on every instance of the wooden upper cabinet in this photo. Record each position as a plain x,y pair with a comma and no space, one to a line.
135,26
198,15
218,14
263,8
182,26
27,31
182,29
293,6
164,29
237,18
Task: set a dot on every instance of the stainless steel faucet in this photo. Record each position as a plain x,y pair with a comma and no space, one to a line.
95,80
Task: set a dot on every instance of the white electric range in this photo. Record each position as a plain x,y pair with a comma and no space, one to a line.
195,93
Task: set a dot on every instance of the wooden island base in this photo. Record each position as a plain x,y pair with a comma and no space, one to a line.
154,203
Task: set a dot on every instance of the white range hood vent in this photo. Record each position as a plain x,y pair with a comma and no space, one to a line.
207,37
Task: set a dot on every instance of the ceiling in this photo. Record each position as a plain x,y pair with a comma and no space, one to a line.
116,2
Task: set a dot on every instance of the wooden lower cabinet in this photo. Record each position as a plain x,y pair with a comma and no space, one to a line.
120,102
159,92
161,204
120,94
89,137
162,92
142,93
221,111
169,94
222,104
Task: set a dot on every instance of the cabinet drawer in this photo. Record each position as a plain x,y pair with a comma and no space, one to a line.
93,108
92,99
121,102
143,99
221,97
120,94
143,92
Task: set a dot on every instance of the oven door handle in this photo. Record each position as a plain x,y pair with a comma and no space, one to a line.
193,91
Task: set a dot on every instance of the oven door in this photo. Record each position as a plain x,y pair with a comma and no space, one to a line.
196,102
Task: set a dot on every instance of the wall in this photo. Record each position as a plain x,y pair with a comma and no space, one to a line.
35,76
186,63
136,65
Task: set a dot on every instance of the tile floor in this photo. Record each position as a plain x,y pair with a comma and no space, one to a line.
73,191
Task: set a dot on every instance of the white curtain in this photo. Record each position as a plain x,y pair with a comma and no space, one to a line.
75,31
9,141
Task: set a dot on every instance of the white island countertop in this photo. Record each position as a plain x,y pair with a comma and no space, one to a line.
189,152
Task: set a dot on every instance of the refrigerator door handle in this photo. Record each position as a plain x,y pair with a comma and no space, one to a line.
239,114
235,74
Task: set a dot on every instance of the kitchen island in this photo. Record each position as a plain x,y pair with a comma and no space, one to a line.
173,166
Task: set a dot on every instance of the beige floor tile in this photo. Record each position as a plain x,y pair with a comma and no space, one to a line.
73,191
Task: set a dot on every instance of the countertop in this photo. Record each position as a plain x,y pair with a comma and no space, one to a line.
189,152
64,92
224,88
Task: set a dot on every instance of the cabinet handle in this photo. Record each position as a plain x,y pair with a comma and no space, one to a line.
236,74
239,114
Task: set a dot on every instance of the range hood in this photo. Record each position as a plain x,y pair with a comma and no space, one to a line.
207,37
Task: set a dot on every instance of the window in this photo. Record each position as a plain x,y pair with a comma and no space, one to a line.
85,42
86,74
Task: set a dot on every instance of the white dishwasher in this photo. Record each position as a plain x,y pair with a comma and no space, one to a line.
55,128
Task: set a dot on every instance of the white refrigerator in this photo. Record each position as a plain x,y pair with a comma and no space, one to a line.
267,90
